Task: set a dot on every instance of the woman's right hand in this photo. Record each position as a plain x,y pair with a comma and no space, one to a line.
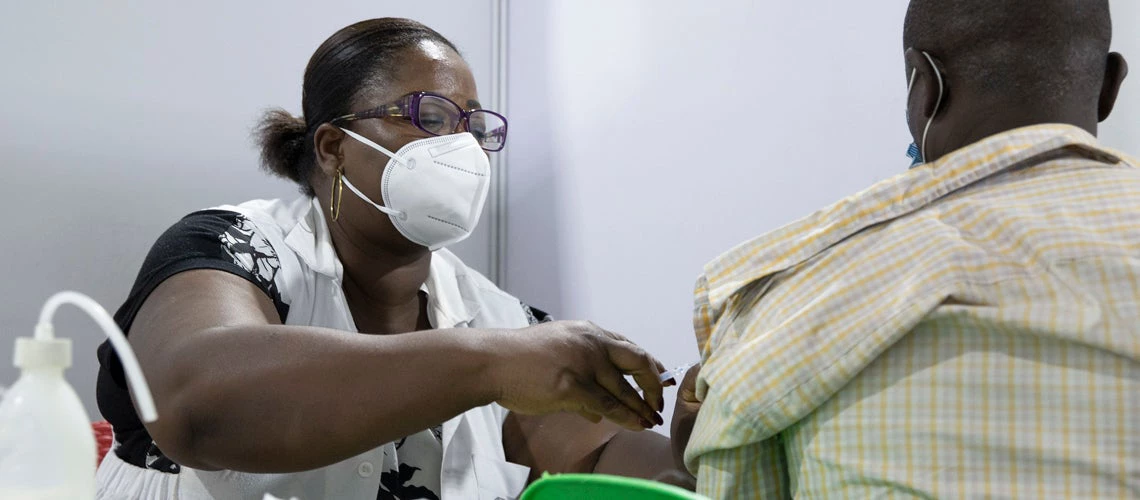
578,367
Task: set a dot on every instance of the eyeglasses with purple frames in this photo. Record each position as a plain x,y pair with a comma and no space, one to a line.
438,115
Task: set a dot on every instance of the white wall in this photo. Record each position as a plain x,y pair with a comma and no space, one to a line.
1122,129
648,137
118,118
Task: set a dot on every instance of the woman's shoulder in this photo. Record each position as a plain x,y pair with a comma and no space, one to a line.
275,214
219,239
256,226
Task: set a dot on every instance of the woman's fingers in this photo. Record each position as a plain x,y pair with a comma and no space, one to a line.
622,338
634,361
660,405
615,383
597,400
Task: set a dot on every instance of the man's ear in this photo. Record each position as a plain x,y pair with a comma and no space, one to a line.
1114,74
928,83
327,141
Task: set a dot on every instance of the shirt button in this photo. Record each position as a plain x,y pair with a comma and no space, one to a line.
365,469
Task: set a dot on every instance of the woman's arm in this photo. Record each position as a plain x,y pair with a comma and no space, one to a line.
237,390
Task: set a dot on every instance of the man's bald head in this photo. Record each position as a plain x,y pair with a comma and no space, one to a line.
1019,50
1004,64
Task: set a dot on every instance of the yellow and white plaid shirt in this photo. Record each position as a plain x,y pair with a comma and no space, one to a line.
970,328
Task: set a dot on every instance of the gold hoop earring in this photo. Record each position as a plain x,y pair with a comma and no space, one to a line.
335,196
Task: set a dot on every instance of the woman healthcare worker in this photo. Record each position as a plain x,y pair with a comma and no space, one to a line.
247,319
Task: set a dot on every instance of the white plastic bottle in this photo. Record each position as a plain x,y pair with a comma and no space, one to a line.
47,446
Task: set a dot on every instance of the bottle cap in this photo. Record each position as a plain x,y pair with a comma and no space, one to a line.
50,353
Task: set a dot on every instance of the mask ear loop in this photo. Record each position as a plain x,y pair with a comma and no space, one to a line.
395,213
937,105
337,194
373,145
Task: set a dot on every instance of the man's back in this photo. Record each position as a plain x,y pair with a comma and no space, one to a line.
968,328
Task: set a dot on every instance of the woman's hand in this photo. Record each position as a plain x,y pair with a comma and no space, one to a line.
578,367
684,415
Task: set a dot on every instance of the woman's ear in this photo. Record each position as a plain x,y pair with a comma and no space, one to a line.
327,141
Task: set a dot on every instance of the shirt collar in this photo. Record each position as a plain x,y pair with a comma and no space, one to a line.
889,199
311,241
451,296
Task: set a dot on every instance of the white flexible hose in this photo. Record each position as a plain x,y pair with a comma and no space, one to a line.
45,331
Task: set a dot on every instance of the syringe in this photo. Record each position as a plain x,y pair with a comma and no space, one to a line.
678,373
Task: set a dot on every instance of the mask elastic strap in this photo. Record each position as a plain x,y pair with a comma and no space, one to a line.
937,105
382,208
373,145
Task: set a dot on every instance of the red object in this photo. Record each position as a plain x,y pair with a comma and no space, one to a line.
103,439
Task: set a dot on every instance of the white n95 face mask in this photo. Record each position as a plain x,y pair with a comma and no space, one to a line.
433,188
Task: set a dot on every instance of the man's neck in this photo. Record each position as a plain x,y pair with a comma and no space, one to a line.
972,126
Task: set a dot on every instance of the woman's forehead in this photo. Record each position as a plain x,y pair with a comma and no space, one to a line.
426,67
432,49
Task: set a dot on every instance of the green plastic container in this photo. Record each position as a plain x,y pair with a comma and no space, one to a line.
602,487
